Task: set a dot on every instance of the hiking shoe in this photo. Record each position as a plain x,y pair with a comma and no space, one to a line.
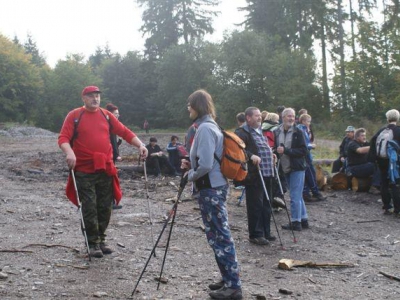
295,226
216,285
319,197
271,238
278,202
262,241
105,248
227,293
307,198
115,206
388,211
95,251
304,224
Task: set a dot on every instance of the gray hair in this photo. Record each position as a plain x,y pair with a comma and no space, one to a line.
287,110
392,115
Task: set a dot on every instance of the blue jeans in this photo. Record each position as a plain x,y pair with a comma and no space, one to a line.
212,203
295,181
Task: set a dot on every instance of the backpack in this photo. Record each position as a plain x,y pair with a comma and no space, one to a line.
78,119
234,158
382,142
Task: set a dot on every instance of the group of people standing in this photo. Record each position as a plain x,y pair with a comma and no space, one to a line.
283,151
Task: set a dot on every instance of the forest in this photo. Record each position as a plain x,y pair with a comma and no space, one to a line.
339,59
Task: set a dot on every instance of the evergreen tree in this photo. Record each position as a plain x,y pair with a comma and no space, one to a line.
31,48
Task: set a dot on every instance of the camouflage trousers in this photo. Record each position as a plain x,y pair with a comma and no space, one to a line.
96,195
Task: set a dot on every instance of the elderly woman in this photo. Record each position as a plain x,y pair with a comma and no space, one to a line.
205,172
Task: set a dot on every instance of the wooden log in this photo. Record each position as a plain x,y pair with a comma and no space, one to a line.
325,162
361,184
322,178
288,264
339,181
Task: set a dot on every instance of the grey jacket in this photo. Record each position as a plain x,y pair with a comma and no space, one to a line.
207,141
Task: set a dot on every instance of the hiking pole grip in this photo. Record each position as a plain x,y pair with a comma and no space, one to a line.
81,214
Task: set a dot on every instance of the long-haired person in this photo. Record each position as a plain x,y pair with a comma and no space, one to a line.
205,172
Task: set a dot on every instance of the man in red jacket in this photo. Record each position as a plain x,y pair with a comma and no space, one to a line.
85,141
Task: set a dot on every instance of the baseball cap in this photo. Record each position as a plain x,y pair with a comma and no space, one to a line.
90,89
350,128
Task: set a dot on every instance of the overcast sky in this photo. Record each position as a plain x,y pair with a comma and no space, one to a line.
61,27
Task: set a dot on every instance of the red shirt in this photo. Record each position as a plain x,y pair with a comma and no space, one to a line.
93,138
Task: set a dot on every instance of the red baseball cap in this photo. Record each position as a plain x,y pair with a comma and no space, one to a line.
90,89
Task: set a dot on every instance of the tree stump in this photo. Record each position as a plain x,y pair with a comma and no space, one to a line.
339,181
361,184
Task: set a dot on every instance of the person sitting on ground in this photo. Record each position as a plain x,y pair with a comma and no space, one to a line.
357,156
173,153
157,160
389,190
240,119
115,143
310,181
340,163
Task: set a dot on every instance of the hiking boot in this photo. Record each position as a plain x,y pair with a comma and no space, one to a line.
388,211
271,238
319,197
307,198
227,293
304,224
105,248
262,241
295,226
95,251
278,202
115,206
216,285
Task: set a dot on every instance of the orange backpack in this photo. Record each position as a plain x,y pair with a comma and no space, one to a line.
234,158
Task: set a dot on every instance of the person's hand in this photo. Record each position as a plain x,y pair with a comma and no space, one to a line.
159,153
119,158
313,146
71,160
185,164
255,159
143,152
342,159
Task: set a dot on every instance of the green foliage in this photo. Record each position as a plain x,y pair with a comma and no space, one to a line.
20,83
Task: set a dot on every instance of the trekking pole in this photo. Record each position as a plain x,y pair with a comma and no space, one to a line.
81,215
270,205
171,213
287,212
148,203
184,180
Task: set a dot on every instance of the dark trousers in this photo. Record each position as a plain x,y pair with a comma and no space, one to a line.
259,209
389,192
96,195
157,163
361,171
310,180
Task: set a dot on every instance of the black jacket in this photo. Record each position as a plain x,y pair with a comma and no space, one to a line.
298,150
251,149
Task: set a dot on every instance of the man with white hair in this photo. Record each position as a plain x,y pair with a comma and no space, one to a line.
389,190
292,150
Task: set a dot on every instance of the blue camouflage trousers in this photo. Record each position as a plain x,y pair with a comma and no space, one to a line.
212,204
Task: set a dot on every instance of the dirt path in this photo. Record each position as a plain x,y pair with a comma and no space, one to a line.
36,217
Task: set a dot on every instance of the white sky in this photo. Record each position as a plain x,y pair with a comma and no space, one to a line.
61,27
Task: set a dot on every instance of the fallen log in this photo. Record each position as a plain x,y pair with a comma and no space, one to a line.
51,246
361,184
339,181
288,264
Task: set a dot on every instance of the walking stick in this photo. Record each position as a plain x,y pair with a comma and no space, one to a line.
172,213
269,202
148,203
81,215
283,195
